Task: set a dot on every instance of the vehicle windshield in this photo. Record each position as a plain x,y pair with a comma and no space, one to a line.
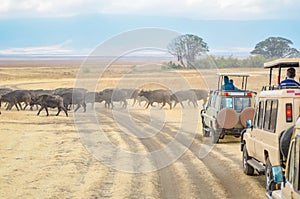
237,103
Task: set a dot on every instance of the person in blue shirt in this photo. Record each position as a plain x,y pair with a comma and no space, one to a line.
289,81
231,82
227,85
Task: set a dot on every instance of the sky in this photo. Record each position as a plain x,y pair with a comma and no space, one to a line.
77,27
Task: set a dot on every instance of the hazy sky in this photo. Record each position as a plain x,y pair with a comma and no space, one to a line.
78,26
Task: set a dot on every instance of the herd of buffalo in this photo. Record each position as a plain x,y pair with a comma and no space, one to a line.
64,98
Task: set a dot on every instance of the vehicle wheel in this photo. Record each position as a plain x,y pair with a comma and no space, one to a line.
284,141
248,170
270,185
215,136
205,132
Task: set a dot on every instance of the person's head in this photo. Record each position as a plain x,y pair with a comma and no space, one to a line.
291,72
226,79
231,81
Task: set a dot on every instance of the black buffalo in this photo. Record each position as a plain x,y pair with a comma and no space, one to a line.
49,101
15,98
159,96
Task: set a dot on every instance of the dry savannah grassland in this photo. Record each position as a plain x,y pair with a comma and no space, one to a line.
46,157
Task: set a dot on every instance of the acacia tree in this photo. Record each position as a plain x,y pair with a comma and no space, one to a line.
186,48
275,47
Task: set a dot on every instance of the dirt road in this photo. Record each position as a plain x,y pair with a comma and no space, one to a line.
51,157
45,157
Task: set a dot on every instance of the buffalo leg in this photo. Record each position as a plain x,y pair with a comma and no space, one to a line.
59,109
40,110
18,107
125,104
7,107
134,101
47,110
175,104
78,106
84,107
26,104
65,110
164,103
181,104
148,105
195,104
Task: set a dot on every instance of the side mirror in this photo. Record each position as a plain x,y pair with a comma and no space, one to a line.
278,176
249,124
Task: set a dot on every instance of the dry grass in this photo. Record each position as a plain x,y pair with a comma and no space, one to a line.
43,157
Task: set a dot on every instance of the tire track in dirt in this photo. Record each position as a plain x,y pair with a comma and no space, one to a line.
167,177
121,184
103,186
139,181
187,169
224,169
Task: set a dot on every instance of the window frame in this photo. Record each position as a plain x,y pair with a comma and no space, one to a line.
270,106
291,163
259,117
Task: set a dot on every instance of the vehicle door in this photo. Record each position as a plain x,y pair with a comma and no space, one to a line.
253,134
264,135
211,108
291,188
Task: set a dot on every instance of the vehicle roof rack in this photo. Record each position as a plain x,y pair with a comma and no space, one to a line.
234,74
244,77
283,63
279,63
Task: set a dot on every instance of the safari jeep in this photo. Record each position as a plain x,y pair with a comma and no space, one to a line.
265,143
227,111
290,183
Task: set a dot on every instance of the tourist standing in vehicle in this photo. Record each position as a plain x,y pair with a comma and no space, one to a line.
289,81
227,85
231,82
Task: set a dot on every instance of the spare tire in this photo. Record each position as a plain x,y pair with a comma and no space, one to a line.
227,118
284,141
247,114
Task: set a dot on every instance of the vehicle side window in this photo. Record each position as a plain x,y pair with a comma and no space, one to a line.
291,164
259,116
270,115
209,101
273,117
213,100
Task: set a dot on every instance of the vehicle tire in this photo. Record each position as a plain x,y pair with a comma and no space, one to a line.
248,170
247,114
270,185
205,132
215,136
284,141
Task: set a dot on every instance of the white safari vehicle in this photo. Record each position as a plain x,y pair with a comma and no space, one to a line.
266,141
227,111
290,182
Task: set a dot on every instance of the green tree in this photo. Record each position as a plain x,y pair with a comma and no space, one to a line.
186,48
275,47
